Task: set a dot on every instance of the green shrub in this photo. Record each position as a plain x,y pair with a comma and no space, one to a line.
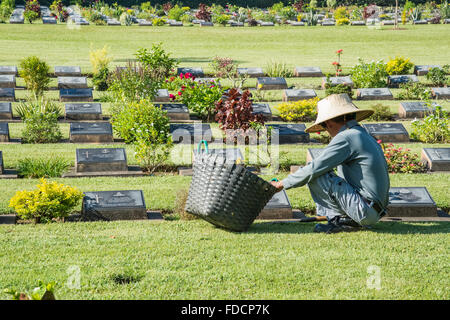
221,19
159,21
414,91
278,69
6,8
434,128
44,291
341,13
35,73
302,110
175,13
156,61
337,89
381,113
126,19
343,22
42,168
100,79
51,200
32,10
399,65
438,76
369,75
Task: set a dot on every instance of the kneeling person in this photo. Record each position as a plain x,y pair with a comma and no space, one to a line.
358,195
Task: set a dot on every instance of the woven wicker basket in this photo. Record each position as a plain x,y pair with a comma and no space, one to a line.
226,194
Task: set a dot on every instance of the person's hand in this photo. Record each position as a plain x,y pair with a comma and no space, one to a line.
278,185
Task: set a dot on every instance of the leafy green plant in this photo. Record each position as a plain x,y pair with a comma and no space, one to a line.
156,61
341,13
35,73
32,10
49,201
44,291
126,19
278,69
176,13
414,91
302,110
343,22
221,19
399,65
438,76
434,128
42,168
337,89
6,8
400,160
381,113
369,75
159,22
226,68
100,79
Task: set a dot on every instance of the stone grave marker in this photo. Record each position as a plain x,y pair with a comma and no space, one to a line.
312,153
266,24
190,133
5,110
290,133
420,22
271,83
76,95
441,93
297,23
298,94
345,80
415,109
396,80
437,159
7,94
162,95
113,22
101,159
423,69
388,22
91,132
72,82
206,24
308,72
8,70
48,20
16,19
175,23
115,205
358,23
278,207
328,23
264,109
145,23
4,132
197,21
67,71
83,111
251,72
7,81
175,111
374,94
446,21
2,167
411,202
197,72
236,24
388,132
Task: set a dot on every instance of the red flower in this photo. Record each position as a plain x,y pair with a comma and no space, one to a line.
378,141
339,51
335,63
172,96
180,93
181,76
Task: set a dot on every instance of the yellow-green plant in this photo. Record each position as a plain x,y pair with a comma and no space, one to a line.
343,22
99,59
35,72
50,200
302,110
399,65
341,13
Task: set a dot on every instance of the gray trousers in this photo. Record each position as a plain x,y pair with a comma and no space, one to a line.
335,197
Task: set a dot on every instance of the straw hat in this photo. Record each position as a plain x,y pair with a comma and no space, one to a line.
334,106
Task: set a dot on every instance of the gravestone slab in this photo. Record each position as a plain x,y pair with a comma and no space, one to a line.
236,24
8,70
264,109
308,72
388,132
197,72
7,81
278,207
411,202
115,205
374,94
396,80
190,133
251,72
420,22
313,153
328,23
416,109
83,111
16,20
358,23
290,133
76,95
232,155
72,82
48,20
176,24
423,69
175,111
67,71
197,21
206,24
2,168
91,132
7,94
297,23
441,93
298,94
446,21
145,23
112,22
388,22
345,80
271,83
437,159
4,132
162,95
267,24
101,160
5,110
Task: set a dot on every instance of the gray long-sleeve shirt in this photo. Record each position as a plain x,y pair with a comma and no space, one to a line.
359,160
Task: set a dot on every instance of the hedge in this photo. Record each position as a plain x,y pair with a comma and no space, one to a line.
242,3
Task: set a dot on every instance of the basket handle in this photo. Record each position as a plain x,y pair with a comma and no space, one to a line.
203,142
274,179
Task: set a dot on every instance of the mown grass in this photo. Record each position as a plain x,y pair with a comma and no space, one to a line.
194,260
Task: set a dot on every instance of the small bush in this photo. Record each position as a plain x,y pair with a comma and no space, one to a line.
100,79
434,128
399,65
222,19
381,113
302,110
369,75
341,13
401,160
343,22
438,76
156,61
32,10
99,59
126,19
414,91
278,69
51,200
159,22
176,13
42,168
35,73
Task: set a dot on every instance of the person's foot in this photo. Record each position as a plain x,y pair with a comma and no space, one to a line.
338,224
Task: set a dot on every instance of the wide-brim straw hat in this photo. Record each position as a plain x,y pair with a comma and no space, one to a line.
334,106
